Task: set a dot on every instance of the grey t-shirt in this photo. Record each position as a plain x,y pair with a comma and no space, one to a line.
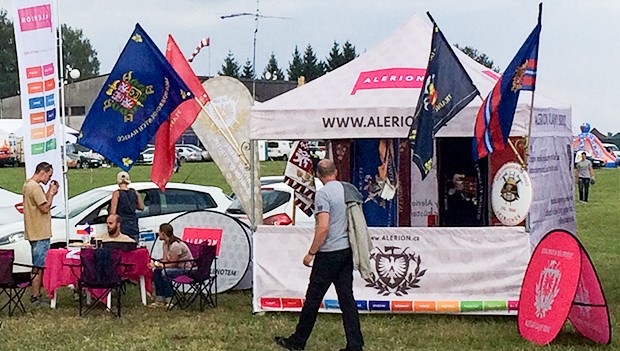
583,168
331,199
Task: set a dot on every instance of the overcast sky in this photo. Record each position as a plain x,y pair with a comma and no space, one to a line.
577,60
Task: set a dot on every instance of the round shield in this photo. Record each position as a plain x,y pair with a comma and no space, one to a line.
229,235
511,194
549,287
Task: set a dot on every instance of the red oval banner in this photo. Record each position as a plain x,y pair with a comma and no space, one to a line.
549,287
589,313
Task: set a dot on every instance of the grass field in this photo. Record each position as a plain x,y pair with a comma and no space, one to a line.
232,326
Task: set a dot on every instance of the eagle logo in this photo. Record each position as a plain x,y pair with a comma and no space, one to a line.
398,270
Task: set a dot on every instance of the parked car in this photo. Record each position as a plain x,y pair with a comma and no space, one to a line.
279,149
11,207
596,162
278,204
187,154
612,148
204,153
92,208
82,161
146,156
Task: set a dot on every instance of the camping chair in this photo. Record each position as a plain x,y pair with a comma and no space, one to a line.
197,283
13,285
100,269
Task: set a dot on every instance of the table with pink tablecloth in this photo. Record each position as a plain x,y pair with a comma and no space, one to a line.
62,269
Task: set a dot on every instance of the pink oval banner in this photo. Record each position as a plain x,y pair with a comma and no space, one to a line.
549,287
589,313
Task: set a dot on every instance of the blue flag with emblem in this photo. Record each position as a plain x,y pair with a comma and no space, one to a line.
447,89
140,93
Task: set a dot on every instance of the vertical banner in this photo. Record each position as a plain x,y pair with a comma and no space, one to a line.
35,40
550,167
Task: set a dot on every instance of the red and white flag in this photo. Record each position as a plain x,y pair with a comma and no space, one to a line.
299,176
204,42
180,119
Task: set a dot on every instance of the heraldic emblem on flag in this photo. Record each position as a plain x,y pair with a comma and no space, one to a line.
299,176
447,89
139,95
495,117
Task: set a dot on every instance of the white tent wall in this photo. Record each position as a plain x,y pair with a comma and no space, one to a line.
347,103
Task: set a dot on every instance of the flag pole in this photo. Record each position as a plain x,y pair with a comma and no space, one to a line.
63,119
529,126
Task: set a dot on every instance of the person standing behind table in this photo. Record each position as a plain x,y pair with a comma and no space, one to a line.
124,203
333,263
174,249
38,222
585,174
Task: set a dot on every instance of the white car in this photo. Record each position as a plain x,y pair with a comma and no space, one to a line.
187,154
11,209
612,148
279,149
146,156
204,153
278,204
92,207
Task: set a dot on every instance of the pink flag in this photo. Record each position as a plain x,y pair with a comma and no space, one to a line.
180,119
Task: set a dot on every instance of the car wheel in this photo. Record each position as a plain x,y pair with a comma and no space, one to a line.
183,159
285,157
85,165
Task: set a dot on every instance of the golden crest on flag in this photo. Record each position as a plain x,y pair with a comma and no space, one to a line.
126,96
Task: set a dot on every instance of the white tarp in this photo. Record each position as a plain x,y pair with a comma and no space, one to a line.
550,168
436,270
375,95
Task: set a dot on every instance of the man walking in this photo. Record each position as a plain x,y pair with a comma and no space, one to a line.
38,222
585,176
333,263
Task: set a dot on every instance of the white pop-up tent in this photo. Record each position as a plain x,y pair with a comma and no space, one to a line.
374,96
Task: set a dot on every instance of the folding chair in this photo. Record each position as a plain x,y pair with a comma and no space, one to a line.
197,283
100,269
13,285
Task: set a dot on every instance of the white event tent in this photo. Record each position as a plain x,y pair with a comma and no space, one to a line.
374,96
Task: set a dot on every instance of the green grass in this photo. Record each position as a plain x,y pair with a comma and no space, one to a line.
232,326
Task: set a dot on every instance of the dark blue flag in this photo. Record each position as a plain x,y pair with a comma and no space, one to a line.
447,89
138,96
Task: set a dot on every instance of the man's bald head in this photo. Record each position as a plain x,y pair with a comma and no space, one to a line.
326,169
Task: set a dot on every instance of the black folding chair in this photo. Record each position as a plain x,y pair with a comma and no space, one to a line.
13,285
197,283
100,269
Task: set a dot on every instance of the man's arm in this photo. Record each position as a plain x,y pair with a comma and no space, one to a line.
49,196
320,233
114,202
591,171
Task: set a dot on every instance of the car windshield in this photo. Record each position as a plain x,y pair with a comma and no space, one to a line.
80,203
272,199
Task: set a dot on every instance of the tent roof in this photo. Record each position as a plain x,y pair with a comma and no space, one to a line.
341,96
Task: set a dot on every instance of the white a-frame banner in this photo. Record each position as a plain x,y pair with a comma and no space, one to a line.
35,40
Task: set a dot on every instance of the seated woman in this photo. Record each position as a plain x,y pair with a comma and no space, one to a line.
174,249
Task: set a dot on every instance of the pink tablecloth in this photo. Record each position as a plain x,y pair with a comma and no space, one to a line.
63,271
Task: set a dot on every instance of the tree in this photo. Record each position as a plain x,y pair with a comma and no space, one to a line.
248,70
335,59
77,52
275,73
312,67
481,58
9,85
230,67
295,67
348,52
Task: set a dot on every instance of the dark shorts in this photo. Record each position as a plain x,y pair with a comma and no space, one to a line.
39,250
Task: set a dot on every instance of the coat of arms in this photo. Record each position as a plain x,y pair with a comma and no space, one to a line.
547,288
126,96
398,270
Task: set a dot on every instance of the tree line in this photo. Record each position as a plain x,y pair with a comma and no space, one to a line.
307,65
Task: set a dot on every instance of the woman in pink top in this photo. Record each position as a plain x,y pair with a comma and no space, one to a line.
175,250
